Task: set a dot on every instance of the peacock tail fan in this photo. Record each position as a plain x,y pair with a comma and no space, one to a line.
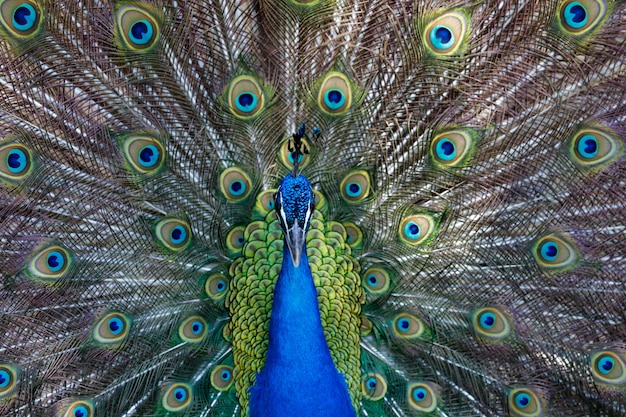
463,230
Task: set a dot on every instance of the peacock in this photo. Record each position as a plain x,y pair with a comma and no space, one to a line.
312,208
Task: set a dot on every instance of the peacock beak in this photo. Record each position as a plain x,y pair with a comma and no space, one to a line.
294,239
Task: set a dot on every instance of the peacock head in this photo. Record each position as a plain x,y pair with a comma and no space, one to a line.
295,202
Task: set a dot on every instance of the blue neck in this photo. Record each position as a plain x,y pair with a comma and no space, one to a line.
299,377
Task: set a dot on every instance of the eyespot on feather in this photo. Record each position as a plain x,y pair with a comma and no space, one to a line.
173,234
235,184
334,97
446,34
137,28
580,17
422,396
222,377
246,98
525,402
373,386
554,253
177,397
144,153
112,328
8,380
20,19
16,162
49,262
80,408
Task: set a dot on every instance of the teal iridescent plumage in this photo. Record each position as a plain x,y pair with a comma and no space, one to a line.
464,208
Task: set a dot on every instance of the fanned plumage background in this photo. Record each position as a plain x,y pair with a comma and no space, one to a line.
115,138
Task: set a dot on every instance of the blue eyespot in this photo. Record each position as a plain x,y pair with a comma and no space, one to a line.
441,37
371,383
17,161
149,156
420,394
549,251
246,102
606,364
412,230
24,17
180,394
55,261
116,326
178,235
237,188
334,99
487,320
445,149
141,32
353,189
588,146
404,324
81,411
575,15
522,400
225,375
5,378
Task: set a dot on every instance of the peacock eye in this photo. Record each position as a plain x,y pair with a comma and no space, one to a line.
177,397
245,97
524,402
173,234
285,156
580,17
416,229
79,409
335,94
222,377
112,328
265,202
446,34
491,323
216,286
376,280
192,329
553,253
374,387
8,380
15,162
235,239
144,154
608,367
355,186
422,397
137,28
50,263
592,147
235,184
451,148
407,326
21,18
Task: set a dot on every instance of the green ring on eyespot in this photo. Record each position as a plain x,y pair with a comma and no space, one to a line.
29,20
439,32
141,32
222,377
334,99
79,408
574,11
177,397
